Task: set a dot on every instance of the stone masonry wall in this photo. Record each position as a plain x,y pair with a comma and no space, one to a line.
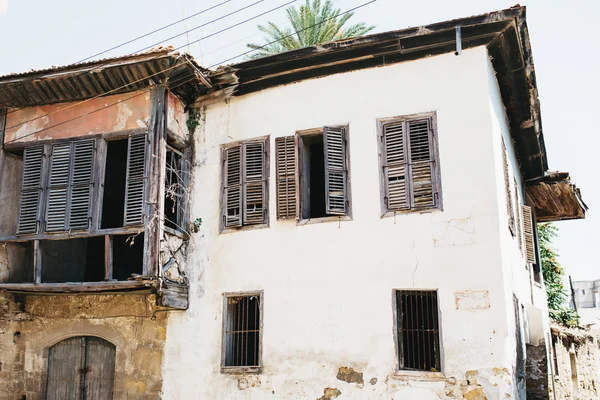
29,325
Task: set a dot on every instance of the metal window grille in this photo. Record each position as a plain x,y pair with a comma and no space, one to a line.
418,330
242,331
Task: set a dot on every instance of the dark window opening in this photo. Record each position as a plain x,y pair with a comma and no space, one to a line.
242,331
113,203
128,256
554,356
19,263
174,191
312,185
418,332
73,260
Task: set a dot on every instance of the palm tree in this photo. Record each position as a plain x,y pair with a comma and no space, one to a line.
312,24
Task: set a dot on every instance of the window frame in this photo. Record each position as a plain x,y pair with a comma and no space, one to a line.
436,173
242,369
182,210
265,140
440,354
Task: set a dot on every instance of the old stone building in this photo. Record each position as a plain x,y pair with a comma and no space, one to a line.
353,220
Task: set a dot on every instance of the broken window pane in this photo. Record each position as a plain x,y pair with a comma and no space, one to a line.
113,203
418,330
242,331
174,191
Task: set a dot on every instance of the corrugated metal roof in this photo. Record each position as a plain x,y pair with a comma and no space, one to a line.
75,82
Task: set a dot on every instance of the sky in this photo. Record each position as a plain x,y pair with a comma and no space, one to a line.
38,34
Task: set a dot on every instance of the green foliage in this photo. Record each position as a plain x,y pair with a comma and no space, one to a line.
306,29
553,277
193,119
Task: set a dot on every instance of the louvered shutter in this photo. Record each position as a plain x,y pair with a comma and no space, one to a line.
334,147
30,190
136,176
528,233
395,167
232,188
509,204
285,149
518,214
81,184
421,163
58,188
254,183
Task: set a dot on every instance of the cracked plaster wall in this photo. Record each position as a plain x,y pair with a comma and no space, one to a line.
328,286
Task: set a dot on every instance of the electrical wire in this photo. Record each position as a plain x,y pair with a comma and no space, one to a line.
156,73
154,31
220,63
205,24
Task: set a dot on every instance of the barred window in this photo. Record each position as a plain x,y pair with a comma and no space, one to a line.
242,322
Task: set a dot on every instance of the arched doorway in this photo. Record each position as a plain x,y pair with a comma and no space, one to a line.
81,367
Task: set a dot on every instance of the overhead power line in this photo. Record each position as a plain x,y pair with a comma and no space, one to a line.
229,59
154,31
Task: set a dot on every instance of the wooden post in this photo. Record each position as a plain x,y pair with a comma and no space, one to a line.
108,258
37,262
155,159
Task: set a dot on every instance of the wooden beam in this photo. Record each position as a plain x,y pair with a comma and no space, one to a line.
37,262
75,287
108,258
129,230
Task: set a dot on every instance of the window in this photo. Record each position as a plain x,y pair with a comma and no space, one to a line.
59,183
417,331
509,204
244,183
313,174
175,190
409,164
242,324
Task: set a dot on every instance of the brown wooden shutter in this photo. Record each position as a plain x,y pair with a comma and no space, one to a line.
232,187
518,214
136,177
58,188
285,149
422,163
334,147
395,166
528,228
254,183
81,184
509,204
31,190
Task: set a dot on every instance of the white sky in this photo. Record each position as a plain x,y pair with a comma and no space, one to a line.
38,34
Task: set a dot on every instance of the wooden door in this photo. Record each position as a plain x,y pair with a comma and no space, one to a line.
81,368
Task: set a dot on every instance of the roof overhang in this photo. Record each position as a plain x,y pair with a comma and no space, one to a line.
504,33
555,198
179,72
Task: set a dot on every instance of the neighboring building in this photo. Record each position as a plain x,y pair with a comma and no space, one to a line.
587,299
363,222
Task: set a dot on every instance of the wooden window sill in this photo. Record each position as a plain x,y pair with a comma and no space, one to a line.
311,221
80,287
241,370
244,228
388,214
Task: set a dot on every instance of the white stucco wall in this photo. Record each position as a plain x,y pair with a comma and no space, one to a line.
328,286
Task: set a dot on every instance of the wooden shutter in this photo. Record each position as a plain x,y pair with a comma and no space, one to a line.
58,187
421,163
395,167
31,189
334,147
232,187
66,361
528,228
518,214
81,184
254,183
136,177
509,204
285,149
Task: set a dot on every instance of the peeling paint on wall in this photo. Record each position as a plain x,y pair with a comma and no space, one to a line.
472,300
455,232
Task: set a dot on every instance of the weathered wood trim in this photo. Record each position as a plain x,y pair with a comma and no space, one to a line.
108,257
76,287
129,230
173,295
154,192
37,262
99,175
